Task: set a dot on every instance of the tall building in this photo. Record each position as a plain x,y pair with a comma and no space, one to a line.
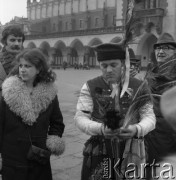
68,28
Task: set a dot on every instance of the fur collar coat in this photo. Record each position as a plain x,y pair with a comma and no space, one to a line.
22,103
39,108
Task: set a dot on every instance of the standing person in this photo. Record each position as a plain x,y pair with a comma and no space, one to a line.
80,65
162,142
31,123
101,110
12,40
64,65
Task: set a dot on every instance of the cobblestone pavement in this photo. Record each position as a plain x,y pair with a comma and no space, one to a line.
68,165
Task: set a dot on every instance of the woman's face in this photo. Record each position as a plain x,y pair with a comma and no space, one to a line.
27,71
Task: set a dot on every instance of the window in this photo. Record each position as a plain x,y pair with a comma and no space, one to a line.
54,27
154,4
60,26
96,22
81,23
43,29
88,22
114,20
66,25
73,24
150,4
105,20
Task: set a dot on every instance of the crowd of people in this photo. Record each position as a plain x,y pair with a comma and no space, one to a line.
129,121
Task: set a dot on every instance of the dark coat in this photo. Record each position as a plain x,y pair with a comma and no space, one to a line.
22,114
8,60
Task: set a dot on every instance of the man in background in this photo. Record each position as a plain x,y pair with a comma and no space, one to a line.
12,40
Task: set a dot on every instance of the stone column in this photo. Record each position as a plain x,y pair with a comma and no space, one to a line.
151,4
119,13
35,11
47,10
40,11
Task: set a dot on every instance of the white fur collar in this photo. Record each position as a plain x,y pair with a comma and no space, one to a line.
28,107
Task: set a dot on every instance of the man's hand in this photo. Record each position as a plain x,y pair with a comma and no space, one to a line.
129,132
109,133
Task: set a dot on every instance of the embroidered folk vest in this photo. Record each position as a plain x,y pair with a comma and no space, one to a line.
102,102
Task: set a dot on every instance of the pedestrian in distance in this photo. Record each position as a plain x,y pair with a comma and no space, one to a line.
76,66
31,123
80,65
103,112
64,65
12,40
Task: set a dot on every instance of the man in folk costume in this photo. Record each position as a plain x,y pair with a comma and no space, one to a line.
101,111
12,39
162,141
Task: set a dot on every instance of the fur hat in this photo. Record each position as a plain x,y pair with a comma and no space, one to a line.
165,38
110,51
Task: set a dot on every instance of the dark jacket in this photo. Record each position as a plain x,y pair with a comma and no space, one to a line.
161,141
104,97
8,60
23,116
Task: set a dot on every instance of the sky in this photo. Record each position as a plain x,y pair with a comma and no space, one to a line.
11,8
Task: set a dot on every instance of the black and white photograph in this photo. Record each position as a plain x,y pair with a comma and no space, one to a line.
87,89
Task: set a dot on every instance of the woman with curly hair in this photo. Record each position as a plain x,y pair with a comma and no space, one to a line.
31,123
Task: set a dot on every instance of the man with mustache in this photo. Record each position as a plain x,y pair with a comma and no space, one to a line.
101,113
12,40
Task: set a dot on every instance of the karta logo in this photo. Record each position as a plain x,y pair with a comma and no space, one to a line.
112,170
156,170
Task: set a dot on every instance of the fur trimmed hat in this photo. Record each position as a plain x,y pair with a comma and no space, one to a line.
110,51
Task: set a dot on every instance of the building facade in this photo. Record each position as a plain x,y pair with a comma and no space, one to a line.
67,29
